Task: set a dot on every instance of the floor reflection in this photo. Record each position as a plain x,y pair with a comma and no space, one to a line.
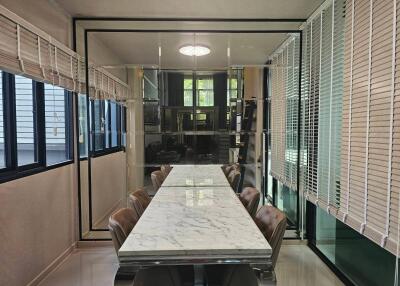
297,265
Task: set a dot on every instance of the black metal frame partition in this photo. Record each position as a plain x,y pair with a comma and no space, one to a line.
216,31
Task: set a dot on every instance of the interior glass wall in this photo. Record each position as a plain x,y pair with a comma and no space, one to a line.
191,118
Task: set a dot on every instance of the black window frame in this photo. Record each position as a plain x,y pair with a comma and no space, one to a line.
105,150
12,171
68,120
123,124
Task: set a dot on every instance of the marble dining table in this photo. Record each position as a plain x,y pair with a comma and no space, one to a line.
193,225
196,176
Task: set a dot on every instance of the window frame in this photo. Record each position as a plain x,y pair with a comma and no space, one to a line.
12,171
105,150
68,120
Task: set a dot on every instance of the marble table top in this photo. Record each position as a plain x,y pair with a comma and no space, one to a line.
196,175
189,222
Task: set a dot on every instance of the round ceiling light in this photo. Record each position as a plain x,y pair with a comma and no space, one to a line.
197,50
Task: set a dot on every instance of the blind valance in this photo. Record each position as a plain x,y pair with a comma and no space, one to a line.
26,50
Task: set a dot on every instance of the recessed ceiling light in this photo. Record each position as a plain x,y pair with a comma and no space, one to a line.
197,50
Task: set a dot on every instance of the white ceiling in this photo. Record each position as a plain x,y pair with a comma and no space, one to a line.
142,49
192,8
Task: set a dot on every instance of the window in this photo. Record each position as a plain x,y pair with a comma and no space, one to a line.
232,89
35,126
188,92
98,125
205,92
2,154
25,120
123,126
114,124
83,123
106,126
57,145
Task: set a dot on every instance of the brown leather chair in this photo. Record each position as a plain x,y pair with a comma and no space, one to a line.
234,179
121,224
229,167
157,179
143,197
250,198
165,169
272,223
135,204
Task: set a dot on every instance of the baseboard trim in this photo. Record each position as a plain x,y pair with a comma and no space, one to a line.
294,242
94,243
52,266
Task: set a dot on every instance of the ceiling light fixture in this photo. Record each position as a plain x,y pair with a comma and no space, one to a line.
197,50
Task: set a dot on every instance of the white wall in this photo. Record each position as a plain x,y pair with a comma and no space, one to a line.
108,185
135,135
46,15
38,219
38,213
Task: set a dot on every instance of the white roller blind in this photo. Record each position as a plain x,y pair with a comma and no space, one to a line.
369,200
284,118
26,50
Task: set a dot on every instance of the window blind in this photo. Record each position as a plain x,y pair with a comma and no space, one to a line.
322,89
369,200
284,118
26,50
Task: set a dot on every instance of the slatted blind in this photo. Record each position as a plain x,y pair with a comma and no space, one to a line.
284,118
26,50
369,200
322,89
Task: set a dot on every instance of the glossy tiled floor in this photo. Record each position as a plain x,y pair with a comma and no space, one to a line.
297,266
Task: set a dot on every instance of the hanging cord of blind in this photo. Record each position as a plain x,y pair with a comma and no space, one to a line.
40,56
362,227
20,60
71,59
389,189
319,90
330,112
53,82
294,114
396,270
350,113
286,103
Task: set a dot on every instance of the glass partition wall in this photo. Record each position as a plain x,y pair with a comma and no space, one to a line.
191,117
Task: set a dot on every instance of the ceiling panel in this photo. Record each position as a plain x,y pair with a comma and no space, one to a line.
143,48
192,8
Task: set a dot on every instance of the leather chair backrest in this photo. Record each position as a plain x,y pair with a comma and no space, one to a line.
165,169
272,223
134,203
143,197
120,225
228,168
157,179
234,179
250,198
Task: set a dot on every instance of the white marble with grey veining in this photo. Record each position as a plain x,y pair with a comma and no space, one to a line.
189,221
196,175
